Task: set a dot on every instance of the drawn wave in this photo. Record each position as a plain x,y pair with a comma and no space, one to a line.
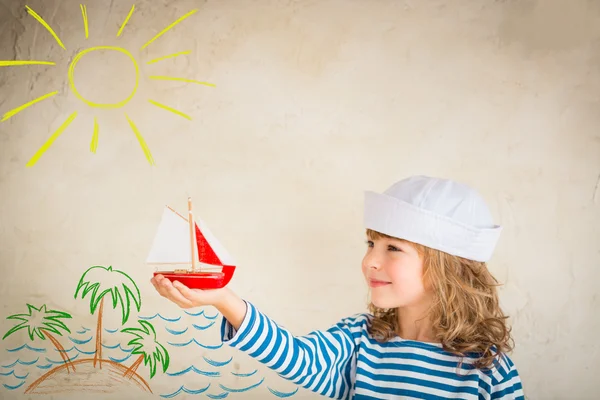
26,346
217,363
161,317
211,316
203,327
240,390
204,346
77,349
84,330
282,394
195,314
119,346
11,387
244,375
120,360
13,374
64,350
61,361
111,330
78,341
21,362
44,366
174,332
185,390
196,370
218,396
85,352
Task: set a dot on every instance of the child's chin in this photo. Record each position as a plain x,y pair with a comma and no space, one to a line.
383,303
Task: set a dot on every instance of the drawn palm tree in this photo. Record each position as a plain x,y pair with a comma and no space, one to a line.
101,281
149,349
42,322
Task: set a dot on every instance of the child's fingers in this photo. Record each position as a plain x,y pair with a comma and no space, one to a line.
188,293
166,289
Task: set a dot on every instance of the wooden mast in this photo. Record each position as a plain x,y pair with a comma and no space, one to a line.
192,234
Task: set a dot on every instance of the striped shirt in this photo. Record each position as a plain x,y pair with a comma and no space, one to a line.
345,362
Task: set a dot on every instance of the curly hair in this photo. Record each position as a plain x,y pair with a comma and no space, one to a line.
465,313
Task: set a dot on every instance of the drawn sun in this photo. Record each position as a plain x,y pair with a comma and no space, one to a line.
119,104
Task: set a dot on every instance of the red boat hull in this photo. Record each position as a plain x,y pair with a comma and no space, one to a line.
201,280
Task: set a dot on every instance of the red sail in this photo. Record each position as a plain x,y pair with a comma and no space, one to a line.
205,253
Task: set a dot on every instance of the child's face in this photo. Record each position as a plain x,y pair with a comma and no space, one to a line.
394,271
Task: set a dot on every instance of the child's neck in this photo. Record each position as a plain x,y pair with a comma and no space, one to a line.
414,325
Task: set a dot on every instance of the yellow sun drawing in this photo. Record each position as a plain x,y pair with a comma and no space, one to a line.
71,71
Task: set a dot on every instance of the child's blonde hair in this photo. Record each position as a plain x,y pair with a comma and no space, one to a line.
465,312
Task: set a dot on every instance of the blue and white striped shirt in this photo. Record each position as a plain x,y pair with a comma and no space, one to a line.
345,362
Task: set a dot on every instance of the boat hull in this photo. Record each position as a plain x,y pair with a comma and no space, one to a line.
200,280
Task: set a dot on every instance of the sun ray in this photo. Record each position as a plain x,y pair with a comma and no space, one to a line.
140,139
171,78
21,62
48,28
174,111
85,19
169,56
126,20
51,140
169,27
94,144
24,106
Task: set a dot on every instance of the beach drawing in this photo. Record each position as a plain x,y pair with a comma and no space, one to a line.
57,355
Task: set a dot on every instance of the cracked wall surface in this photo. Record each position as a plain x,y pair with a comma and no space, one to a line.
313,102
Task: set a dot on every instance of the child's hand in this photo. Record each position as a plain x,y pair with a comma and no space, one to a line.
185,297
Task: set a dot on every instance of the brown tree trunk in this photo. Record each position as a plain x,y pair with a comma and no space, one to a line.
61,350
98,353
131,370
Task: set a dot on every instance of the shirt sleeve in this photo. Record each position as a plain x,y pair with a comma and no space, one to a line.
509,388
321,361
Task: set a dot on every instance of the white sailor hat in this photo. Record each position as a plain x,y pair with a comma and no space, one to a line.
438,213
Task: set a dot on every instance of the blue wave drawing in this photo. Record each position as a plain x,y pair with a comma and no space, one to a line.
163,318
84,330
115,346
174,332
9,387
244,375
195,315
211,316
111,330
203,327
64,350
186,390
120,360
85,352
60,361
204,346
282,394
21,362
26,346
217,363
13,374
78,341
218,396
242,389
44,366
196,370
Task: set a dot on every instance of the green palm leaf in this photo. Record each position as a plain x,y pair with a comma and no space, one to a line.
100,281
37,320
145,344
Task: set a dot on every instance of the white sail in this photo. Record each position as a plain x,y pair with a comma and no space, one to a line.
171,243
214,243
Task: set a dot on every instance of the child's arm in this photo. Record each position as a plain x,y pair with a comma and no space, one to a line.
321,361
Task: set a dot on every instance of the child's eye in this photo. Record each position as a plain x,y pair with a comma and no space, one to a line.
393,248
369,243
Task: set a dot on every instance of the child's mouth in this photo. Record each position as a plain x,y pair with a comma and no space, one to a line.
376,283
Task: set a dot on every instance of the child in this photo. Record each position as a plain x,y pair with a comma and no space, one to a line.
435,330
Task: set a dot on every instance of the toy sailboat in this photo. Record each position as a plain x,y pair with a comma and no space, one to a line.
185,242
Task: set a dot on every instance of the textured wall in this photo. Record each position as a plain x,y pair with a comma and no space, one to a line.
313,102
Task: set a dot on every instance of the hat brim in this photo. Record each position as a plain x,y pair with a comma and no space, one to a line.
397,218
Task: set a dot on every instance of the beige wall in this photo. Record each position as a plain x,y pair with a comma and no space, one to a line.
314,102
